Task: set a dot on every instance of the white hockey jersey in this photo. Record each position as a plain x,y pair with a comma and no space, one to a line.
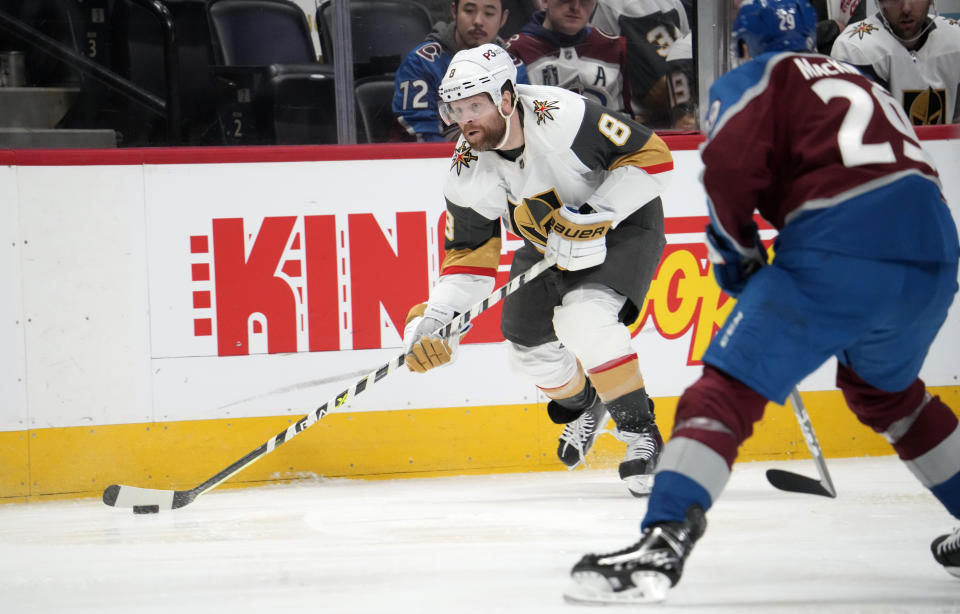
575,152
924,80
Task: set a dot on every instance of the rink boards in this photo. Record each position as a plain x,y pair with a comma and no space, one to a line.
166,311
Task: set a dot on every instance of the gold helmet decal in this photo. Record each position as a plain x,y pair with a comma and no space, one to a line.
532,218
925,107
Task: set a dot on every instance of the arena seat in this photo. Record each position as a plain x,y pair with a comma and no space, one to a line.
382,32
271,89
378,124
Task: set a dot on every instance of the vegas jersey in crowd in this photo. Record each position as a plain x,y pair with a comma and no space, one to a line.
821,163
575,153
590,62
650,28
925,80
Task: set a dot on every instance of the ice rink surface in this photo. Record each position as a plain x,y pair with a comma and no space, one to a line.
500,543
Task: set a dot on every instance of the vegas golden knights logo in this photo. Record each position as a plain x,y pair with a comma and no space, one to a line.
926,107
532,218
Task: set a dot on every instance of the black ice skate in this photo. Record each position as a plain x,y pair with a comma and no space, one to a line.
640,461
946,549
578,436
645,571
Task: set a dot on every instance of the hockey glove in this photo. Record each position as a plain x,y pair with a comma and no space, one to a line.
425,348
731,266
578,240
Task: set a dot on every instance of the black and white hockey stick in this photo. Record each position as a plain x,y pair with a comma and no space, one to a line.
794,482
151,501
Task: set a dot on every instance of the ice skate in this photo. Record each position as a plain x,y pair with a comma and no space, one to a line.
645,571
946,550
578,436
640,461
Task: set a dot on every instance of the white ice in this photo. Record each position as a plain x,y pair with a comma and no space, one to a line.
501,543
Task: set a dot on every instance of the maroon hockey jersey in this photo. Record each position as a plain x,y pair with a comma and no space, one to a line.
591,62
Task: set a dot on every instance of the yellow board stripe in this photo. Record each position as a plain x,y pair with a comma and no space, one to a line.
82,461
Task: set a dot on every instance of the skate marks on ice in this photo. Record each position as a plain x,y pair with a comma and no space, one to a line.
472,544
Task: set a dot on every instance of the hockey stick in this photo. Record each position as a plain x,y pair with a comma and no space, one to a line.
794,482
151,501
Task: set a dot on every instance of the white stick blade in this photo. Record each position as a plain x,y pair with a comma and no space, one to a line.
118,495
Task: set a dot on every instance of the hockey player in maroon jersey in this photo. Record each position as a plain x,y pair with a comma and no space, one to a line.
581,185
559,48
865,270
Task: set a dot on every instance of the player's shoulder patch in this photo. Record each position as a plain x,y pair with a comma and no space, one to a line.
861,29
543,109
463,157
869,37
951,21
553,114
948,31
865,42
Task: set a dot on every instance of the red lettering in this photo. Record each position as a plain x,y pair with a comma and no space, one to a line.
323,312
379,276
248,290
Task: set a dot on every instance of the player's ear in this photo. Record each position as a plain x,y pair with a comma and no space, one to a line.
507,101
503,17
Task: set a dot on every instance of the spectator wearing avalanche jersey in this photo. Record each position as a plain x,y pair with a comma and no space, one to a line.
558,48
474,23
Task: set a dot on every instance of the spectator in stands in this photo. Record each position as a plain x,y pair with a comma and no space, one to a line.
682,84
559,48
912,53
475,22
650,28
831,21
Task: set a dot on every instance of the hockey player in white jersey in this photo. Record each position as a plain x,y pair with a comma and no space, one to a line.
914,54
580,184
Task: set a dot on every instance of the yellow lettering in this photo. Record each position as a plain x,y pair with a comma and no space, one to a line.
684,295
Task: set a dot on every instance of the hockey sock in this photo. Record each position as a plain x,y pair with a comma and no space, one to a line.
616,378
672,494
714,416
718,411
631,412
567,409
921,428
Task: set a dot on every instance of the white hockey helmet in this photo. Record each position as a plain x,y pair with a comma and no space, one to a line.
484,69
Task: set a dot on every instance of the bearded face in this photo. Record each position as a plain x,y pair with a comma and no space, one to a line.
906,17
481,123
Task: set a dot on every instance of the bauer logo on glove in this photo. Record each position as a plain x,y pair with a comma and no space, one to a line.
577,240
576,232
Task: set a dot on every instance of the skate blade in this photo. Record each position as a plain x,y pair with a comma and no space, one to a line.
639,485
953,570
591,588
